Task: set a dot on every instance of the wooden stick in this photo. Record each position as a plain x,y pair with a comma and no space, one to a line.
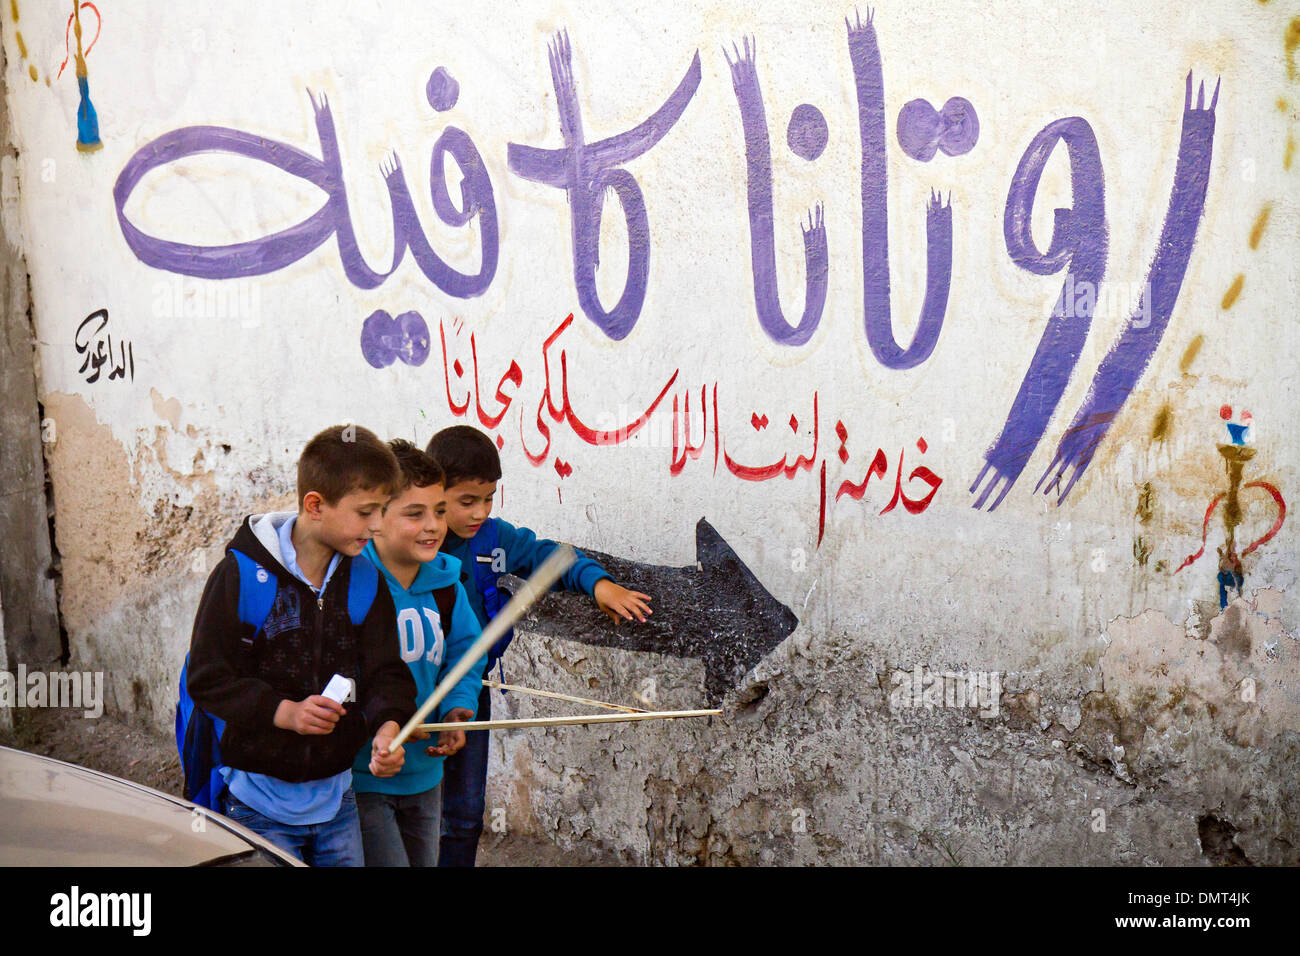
546,574
561,721
554,696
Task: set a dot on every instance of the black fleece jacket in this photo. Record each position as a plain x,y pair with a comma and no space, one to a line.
241,675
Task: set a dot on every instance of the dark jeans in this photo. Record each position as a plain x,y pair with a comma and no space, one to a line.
464,785
336,842
400,830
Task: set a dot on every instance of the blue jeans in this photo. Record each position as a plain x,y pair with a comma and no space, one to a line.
464,785
336,842
400,830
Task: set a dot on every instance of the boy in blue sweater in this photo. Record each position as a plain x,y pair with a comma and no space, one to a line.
487,548
400,815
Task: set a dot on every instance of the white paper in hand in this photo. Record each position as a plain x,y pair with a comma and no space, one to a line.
339,689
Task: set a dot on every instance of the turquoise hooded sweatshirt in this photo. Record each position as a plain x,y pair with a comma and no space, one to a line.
431,652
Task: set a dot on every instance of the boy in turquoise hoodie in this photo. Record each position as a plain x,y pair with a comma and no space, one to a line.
401,815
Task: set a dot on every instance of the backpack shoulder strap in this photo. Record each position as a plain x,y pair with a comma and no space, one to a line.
257,587
482,548
445,599
363,585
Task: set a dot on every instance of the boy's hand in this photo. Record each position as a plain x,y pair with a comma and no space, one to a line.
382,762
311,715
617,601
449,741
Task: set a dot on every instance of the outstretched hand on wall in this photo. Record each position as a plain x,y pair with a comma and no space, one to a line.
618,602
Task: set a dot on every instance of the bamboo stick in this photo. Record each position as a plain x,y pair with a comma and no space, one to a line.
555,696
561,721
546,574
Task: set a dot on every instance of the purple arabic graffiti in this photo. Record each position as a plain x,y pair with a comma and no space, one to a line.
476,200
1122,367
806,134
1080,237
281,249
385,339
762,241
585,171
1078,246
864,53
255,257
922,130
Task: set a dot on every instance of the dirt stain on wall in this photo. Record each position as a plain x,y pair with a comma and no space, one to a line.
97,515
1161,427
1290,41
1234,290
1261,222
112,542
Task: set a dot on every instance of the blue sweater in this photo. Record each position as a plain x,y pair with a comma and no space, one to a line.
431,654
524,551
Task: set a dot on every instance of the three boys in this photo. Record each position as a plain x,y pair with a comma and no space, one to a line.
292,755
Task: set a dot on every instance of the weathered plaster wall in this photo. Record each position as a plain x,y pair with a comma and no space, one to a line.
29,626
729,358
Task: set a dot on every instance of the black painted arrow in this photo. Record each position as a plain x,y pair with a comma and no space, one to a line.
716,611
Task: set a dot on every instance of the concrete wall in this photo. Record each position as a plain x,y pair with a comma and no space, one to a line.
938,319
29,625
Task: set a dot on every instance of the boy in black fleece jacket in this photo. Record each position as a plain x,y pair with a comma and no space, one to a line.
287,750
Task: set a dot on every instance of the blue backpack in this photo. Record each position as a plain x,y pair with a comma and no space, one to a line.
198,733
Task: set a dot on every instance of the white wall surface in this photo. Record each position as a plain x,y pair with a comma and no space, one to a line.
152,470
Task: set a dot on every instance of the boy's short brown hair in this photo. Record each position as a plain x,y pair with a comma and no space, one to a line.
465,454
343,458
415,465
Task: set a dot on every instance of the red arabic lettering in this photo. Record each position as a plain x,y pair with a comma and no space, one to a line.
446,375
513,374
764,472
565,413
676,465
